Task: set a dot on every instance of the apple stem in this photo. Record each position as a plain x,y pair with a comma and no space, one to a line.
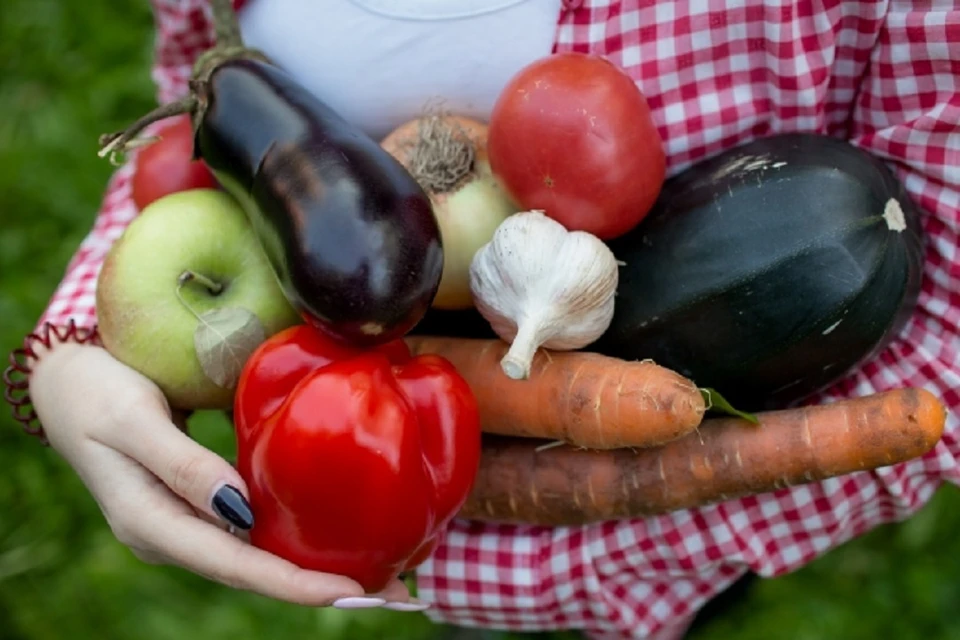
191,276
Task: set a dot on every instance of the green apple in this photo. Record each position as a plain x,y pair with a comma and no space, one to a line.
186,293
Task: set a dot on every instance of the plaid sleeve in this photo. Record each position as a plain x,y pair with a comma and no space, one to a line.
184,29
884,75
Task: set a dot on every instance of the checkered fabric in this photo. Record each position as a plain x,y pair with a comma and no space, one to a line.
883,74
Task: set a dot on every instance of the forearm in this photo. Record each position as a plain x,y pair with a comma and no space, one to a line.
70,317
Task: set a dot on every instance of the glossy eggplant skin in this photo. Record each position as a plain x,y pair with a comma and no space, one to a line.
349,232
770,271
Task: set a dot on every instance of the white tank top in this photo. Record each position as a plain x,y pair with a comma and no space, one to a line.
381,62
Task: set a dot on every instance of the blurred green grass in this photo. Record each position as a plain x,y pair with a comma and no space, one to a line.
72,70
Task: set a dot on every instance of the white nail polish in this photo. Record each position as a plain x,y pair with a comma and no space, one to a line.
358,603
406,606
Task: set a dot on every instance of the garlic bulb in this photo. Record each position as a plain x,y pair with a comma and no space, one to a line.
540,285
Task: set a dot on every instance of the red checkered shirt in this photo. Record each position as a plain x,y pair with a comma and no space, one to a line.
886,76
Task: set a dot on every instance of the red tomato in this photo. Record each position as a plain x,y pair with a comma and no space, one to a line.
572,134
167,166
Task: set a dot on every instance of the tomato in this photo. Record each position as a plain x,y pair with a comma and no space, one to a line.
167,166
572,134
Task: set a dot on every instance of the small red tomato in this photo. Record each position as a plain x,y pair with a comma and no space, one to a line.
167,166
572,134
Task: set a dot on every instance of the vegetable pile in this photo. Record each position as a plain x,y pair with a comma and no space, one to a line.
519,320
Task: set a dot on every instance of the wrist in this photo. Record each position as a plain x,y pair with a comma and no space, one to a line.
48,343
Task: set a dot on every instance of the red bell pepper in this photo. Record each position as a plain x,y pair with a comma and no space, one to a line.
355,459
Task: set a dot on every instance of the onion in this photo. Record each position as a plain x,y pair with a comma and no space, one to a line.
447,155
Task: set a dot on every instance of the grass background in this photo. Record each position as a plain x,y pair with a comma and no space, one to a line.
71,70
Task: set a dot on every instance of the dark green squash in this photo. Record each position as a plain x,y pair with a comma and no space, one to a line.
769,271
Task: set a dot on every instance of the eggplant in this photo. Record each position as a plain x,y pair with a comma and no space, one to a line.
350,234
771,270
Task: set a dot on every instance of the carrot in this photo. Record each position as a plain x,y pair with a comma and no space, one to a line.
520,482
585,399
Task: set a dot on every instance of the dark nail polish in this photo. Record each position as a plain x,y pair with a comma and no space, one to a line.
230,505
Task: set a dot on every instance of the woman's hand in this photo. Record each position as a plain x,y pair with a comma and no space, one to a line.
164,496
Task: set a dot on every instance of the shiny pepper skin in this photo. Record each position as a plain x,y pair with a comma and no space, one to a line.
355,459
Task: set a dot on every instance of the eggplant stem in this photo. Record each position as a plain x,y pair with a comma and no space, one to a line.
225,24
122,141
228,46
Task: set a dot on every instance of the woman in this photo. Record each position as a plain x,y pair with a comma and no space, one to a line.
716,74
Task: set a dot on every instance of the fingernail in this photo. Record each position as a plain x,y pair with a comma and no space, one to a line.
230,505
413,605
358,603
